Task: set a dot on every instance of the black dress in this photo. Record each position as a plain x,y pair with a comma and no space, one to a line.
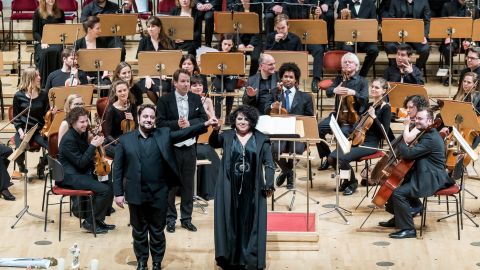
49,59
112,125
207,174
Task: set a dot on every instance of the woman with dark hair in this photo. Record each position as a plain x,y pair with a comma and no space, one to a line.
189,63
123,72
187,8
47,57
226,44
241,192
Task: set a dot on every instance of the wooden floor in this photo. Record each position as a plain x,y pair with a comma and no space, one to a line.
341,246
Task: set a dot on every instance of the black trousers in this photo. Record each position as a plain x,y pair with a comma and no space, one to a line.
207,16
354,154
372,52
186,159
103,193
148,225
400,205
286,147
5,151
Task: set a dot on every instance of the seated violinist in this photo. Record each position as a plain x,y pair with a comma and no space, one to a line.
295,102
62,77
349,86
427,175
76,155
379,111
120,115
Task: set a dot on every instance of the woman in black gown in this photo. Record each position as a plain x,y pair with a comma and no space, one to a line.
47,56
241,192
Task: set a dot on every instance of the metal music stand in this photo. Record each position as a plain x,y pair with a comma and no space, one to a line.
62,33
236,22
222,63
24,145
158,63
98,59
402,30
451,28
356,30
178,27
118,25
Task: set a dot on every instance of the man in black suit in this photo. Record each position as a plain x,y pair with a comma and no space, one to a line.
178,110
261,86
418,9
403,71
76,156
295,102
145,169
361,9
349,83
427,175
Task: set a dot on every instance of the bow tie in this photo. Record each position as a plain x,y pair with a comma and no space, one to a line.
356,2
182,98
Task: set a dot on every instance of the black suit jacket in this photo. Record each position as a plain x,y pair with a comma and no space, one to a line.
167,112
302,103
254,81
294,10
368,10
290,43
76,155
392,74
421,10
357,83
127,172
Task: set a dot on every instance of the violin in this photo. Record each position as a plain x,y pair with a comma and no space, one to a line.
395,168
102,167
48,118
346,113
278,98
357,137
127,125
451,150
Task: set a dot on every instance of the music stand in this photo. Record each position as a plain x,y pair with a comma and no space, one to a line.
222,63
115,25
62,33
299,58
356,30
310,31
157,64
98,59
24,145
461,115
236,22
400,91
344,145
178,27
402,30
450,28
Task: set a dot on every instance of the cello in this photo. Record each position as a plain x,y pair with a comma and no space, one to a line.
395,169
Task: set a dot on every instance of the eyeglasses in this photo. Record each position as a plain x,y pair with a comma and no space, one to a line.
78,104
472,58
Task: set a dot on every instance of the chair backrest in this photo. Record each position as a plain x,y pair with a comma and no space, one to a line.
102,104
68,5
458,170
53,145
332,60
24,5
56,169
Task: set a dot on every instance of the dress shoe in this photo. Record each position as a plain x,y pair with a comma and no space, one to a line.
189,226
156,266
89,227
171,227
406,233
7,195
324,165
22,168
352,187
418,210
343,186
41,171
387,224
104,225
280,179
142,266
314,86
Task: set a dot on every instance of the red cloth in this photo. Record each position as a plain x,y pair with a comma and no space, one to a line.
290,222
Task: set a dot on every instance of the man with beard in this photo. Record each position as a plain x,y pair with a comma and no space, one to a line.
144,170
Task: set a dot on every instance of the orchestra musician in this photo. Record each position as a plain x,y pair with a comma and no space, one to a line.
261,86
206,10
104,7
197,87
403,70
381,115
61,77
72,101
360,9
472,61
122,106
418,9
186,8
427,175
348,84
150,169
179,110
123,72
47,56
189,63
5,183
76,155
30,95
295,102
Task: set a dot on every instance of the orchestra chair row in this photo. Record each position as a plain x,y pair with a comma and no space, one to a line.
21,10
454,191
56,174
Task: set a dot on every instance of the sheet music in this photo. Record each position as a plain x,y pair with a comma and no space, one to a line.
344,143
464,144
277,125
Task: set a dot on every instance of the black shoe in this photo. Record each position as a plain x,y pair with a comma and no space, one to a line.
41,171
418,210
7,195
280,179
315,82
89,227
343,186
142,266
387,224
290,186
22,168
189,226
103,225
445,82
407,233
324,165
156,266
352,187
170,227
